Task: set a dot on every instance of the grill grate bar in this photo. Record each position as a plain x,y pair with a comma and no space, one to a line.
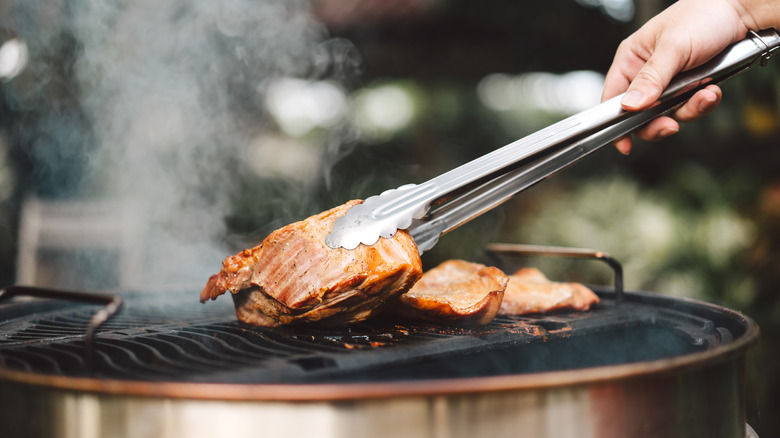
111,366
190,351
39,361
243,341
173,339
68,355
15,363
164,358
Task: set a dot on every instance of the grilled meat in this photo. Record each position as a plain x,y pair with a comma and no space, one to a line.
529,291
456,291
294,277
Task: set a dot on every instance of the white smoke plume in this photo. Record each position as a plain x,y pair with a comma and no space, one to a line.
173,93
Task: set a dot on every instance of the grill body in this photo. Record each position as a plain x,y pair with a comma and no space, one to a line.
706,402
647,366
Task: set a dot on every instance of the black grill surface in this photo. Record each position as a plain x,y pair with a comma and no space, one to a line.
172,337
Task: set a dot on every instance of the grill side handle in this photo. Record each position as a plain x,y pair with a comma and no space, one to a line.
559,251
112,304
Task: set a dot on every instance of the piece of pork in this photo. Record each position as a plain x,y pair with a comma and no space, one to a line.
457,292
293,276
529,291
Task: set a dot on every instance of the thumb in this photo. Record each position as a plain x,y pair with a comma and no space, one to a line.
650,82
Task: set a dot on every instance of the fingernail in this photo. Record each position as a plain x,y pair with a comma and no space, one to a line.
632,99
706,105
666,132
623,146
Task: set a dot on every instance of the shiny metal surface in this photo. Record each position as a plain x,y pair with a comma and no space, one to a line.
700,394
447,201
705,401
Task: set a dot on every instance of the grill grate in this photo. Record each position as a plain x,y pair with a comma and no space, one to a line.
173,338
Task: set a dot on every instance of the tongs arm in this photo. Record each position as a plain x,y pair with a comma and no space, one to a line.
556,157
445,202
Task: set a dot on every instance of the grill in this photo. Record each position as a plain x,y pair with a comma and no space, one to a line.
172,337
637,364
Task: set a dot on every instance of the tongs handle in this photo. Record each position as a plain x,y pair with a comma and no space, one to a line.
615,123
449,200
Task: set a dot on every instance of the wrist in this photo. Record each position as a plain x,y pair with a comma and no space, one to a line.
758,14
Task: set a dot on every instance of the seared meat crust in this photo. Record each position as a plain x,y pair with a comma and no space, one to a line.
456,291
529,291
294,277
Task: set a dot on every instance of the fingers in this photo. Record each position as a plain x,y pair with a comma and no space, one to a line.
675,40
698,106
623,145
652,78
701,104
623,69
658,129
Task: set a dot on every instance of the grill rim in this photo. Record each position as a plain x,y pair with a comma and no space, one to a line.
313,392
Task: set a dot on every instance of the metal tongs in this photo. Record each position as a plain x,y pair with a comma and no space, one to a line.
430,209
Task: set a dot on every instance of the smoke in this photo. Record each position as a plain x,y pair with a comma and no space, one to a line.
172,93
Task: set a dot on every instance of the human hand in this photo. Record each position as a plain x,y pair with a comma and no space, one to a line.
684,36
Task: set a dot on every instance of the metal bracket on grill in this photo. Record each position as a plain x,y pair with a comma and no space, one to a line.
557,251
112,305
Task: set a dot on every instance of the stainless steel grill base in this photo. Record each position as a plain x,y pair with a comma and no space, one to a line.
694,393
598,410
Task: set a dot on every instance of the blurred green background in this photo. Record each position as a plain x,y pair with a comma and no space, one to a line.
350,98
